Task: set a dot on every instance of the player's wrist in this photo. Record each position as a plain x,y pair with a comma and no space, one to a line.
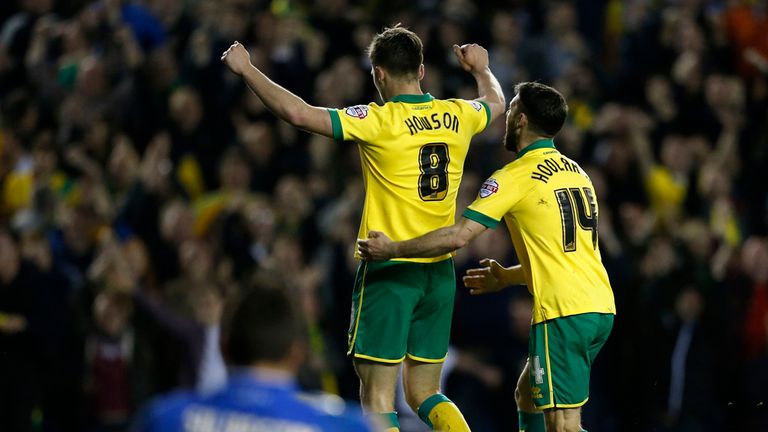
242,71
481,71
393,250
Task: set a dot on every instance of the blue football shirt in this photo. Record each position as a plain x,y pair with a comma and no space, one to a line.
251,402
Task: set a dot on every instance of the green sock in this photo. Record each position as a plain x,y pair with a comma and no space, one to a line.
388,420
531,422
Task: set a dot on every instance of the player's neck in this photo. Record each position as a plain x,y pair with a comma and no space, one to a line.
403,88
273,371
529,139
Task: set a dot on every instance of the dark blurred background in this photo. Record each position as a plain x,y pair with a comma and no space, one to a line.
141,185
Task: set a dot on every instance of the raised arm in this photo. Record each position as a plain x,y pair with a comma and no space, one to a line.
379,247
280,101
474,59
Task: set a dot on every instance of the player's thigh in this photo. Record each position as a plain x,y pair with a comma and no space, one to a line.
431,322
420,380
561,355
383,300
563,419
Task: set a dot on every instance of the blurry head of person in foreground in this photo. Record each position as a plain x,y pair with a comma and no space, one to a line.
265,331
265,345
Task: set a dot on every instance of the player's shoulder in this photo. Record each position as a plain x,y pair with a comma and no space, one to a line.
500,181
512,170
163,411
463,104
173,401
362,111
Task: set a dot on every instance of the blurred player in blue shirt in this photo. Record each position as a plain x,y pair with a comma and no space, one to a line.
265,346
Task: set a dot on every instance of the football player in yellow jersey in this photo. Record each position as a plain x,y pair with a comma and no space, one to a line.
412,150
550,208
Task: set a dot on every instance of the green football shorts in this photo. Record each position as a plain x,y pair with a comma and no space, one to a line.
561,353
402,308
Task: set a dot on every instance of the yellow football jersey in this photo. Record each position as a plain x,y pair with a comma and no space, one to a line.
550,208
412,150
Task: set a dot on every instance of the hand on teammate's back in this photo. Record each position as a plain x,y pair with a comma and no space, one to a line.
236,58
472,57
486,279
376,248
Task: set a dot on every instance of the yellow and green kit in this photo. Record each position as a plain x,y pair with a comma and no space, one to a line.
550,208
412,151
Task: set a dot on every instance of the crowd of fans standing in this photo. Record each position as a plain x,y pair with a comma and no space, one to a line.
141,185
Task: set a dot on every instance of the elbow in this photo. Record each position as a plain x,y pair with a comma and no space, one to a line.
295,118
498,107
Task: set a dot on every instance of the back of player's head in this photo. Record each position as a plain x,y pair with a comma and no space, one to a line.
398,50
264,326
544,106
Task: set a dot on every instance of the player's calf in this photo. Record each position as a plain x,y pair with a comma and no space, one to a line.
563,420
377,391
529,418
422,392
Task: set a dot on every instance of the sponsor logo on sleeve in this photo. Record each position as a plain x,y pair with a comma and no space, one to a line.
358,111
489,187
476,105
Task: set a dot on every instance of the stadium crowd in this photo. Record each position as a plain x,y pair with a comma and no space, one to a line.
141,185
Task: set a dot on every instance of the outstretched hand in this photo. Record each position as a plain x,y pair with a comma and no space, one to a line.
486,279
473,58
236,57
377,247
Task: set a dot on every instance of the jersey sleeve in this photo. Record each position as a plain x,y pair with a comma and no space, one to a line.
474,113
496,197
361,123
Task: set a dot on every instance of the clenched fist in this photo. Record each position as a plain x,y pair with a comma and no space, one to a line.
473,58
237,58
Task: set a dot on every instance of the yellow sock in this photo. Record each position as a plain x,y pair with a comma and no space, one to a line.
440,414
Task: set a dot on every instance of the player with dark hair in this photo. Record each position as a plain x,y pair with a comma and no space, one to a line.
265,341
550,208
412,150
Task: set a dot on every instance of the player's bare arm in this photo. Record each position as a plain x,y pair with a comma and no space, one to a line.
378,246
280,101
492,277
473,58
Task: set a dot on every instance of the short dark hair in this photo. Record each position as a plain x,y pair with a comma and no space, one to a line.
263,327
398,50
545,107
